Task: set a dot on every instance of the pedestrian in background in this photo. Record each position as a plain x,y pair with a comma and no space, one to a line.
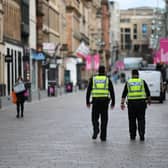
115,76
138,95
19,89
100,88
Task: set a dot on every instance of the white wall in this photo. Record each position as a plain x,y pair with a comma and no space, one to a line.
32,22
71,66
33,42
15,62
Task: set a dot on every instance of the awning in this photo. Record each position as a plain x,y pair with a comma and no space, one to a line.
38,56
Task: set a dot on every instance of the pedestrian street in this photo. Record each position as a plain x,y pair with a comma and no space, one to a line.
56,133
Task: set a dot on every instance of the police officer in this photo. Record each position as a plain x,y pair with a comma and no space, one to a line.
138,95
101,89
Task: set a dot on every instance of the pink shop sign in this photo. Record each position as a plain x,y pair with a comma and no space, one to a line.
164,50
88,62
96,61
161,55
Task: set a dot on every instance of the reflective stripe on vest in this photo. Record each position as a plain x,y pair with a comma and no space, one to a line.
100,86
136,89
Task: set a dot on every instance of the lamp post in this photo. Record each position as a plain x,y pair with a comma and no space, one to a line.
63,51
158,25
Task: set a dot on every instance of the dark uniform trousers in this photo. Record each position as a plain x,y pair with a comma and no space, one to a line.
136,115
20,103
100,110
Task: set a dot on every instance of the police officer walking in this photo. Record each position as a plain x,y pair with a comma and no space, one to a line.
101,90
138,95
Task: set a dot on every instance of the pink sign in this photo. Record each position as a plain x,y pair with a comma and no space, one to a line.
88,62
162,54
96,61
164,50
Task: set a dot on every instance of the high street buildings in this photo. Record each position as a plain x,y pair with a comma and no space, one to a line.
136,28
39,39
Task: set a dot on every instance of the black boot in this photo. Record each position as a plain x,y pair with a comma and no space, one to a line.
17,116
22,115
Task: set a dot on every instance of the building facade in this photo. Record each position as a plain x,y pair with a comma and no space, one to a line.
95,31
135,29
12,41
77,31
62,48
41,44
2,58
106,52
48,40
166,18
32,46
82,73
114,31
73,16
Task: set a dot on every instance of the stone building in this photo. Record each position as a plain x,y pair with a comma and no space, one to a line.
77,13
166,19
114,30
136,28
12,41
82,74
73,38
2,58
32,73
106,52
95,30
48,41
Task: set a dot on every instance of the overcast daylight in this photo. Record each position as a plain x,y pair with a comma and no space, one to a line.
137,3
83,83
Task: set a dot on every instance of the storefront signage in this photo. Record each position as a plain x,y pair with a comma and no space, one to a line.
38,56
161,55
49,47
8,58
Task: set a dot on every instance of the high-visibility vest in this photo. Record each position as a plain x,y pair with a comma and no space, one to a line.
100,86
136,89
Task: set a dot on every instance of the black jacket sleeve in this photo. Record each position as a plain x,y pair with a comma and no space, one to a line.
147,91
88,92
112,95
125,91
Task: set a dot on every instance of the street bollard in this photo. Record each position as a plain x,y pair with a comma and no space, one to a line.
0,103
56,91
76,88
60,91
39,96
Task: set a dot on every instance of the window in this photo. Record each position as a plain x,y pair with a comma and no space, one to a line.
127,30
144,28
124,20
136,47
135,28
135,36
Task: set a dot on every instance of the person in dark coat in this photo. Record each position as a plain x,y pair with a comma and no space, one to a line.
101,89
138,95
20,100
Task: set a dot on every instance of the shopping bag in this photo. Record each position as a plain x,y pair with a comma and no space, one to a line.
20,87
26,94
14,98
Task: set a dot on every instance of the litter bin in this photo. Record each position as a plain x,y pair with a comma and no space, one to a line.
51,90
69,87
27,93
